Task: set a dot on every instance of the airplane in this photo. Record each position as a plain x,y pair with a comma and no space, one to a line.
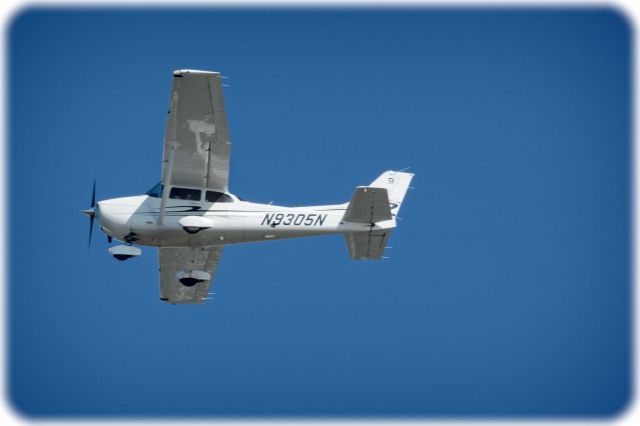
191,215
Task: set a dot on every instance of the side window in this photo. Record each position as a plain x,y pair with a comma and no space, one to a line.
218,197
185,194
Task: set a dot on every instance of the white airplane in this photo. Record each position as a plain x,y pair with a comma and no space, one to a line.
191,215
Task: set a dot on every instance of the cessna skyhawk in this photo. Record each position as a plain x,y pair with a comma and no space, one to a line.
190,215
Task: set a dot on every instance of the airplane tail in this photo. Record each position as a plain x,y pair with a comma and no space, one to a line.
375,207
396,184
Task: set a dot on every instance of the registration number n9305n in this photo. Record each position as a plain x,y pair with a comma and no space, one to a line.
299,219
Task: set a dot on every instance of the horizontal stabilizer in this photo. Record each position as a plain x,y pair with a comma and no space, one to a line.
367,245
368,205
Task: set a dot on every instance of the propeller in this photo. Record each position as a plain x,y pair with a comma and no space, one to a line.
91,213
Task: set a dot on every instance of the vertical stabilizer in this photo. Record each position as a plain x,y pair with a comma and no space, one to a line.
396,184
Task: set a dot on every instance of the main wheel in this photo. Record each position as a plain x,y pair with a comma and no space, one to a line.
190,282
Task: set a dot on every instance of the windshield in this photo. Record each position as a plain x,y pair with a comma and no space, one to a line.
156,191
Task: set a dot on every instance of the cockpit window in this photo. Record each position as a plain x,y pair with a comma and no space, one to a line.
218,197
185,194
156,191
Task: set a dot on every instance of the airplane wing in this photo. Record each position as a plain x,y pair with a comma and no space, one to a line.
197,132
177,262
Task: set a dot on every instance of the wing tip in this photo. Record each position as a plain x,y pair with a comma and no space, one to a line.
180,73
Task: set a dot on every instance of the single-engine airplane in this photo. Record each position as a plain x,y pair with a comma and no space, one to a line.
191,215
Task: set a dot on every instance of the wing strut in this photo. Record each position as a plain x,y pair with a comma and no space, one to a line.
165,184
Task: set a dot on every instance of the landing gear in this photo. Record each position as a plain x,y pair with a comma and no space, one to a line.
192,277
124,252
193,229
190,282
195,224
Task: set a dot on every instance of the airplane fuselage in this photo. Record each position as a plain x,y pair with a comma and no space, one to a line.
136,220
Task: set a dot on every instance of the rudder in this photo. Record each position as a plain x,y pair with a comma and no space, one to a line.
396,184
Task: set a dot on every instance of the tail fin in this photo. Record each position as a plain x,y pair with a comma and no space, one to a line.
396,184
375,205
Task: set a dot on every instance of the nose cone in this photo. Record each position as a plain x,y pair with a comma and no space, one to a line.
88,212
91,213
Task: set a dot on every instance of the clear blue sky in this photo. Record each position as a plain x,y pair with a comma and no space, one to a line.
508,288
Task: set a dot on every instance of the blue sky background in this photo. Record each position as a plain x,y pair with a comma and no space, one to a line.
508,288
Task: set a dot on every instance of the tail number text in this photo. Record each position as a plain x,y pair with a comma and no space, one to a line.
301,219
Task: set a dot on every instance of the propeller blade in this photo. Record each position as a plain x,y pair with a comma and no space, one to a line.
91,212
90,230
93,194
